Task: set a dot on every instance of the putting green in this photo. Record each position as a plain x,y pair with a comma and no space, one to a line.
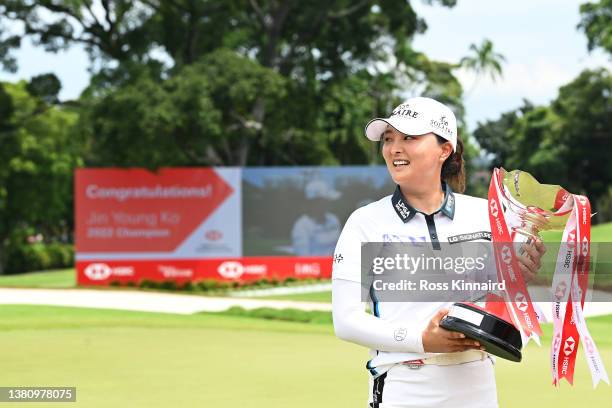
134,359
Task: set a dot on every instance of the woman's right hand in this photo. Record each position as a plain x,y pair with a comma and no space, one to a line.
437,339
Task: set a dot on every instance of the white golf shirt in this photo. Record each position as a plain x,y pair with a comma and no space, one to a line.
393,332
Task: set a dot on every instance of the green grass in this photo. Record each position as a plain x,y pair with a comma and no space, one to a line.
61,278
129,359
324,296
599,233
119,358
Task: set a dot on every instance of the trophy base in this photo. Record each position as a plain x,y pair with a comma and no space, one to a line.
496,335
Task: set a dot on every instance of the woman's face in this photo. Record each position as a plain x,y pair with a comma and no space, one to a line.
413,160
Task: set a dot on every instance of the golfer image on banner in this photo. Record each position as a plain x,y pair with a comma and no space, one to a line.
316,232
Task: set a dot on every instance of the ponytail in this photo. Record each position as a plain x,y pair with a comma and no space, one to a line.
453,168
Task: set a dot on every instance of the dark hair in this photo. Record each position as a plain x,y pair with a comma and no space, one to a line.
453,168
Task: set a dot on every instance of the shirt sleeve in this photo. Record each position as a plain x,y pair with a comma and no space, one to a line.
352,323
347,255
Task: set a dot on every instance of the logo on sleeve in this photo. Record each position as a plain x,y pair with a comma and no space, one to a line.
400,334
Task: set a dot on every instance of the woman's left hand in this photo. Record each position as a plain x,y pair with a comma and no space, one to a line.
530,260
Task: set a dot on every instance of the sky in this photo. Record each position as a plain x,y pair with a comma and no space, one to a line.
538,38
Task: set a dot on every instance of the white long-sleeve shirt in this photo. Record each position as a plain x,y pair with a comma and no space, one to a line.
393,331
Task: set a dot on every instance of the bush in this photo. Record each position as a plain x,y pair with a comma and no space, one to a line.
39,256
36,257
604,208
146,283
167,285
206,285
62,255
288,315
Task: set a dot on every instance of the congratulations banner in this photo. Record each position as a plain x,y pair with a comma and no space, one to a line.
187,224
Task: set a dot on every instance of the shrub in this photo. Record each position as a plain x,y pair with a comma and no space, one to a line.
39,256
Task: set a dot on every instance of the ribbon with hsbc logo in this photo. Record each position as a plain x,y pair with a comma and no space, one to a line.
519,208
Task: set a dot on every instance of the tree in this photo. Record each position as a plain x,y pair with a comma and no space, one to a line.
39,153
585,113
7,44
496,137
596,22
482,61
46,87
314,46
200,116
565,143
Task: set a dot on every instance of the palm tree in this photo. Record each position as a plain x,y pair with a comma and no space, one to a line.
483,60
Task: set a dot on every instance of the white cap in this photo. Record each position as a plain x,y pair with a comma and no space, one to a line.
417,116
320,189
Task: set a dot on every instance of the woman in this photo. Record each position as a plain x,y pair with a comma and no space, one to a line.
415,362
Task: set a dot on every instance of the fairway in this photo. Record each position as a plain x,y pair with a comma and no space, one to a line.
118,358
324,296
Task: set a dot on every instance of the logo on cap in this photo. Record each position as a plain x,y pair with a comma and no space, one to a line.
441,125
404,110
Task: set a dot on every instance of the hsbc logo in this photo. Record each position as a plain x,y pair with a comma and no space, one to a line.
231,270
571,237
234,269
568,347
556,343
98,271
560,291
506,254
577,292
585,246
521,302
213,235
494,208
588,344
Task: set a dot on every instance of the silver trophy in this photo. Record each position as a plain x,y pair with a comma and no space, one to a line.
529,209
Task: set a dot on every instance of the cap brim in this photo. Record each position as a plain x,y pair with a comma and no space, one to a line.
376,127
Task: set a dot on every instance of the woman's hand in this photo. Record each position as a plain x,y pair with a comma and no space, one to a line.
530,260
439,340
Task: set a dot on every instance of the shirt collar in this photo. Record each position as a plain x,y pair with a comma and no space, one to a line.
406,212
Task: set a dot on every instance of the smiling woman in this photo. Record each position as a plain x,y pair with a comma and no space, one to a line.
415,362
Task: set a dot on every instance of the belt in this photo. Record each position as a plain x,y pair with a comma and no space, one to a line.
448,358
